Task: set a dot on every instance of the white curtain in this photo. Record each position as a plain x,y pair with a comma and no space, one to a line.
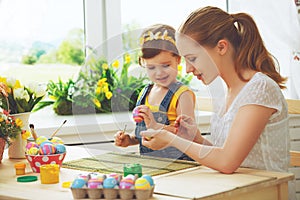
278,23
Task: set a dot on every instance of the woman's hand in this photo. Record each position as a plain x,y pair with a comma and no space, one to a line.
157,139
186,127
145,112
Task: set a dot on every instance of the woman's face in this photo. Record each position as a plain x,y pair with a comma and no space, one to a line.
162,69
199,60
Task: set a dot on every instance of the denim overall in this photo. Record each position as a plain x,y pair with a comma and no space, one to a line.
160,117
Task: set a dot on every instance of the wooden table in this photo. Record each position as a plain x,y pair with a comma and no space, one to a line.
194,183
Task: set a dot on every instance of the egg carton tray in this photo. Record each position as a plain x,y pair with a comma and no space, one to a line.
107,193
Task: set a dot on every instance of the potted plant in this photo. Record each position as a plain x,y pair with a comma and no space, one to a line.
101,87
19,100
10,128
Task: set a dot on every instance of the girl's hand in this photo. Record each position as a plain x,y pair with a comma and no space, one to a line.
157,139
149,120
186,127
122,139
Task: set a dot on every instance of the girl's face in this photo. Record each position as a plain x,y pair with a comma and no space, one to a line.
162,69
199,60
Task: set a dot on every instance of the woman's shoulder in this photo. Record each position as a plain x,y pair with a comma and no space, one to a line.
260,82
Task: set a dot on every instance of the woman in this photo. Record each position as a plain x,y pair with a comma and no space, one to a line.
251,128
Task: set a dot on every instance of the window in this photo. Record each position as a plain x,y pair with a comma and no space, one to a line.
36,35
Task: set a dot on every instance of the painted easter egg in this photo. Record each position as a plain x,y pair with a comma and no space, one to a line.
78,183
45,142
97,175
47,149
41,139
110,182
131,176
83,176
95,183
60,148
33,151
126,183
149,179
115,176
135,115
31,144
142,184
57,140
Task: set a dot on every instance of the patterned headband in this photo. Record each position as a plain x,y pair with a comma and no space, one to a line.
149,36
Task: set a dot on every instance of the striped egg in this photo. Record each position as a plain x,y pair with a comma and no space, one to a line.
149,179
142,184
47,149
126,183
31,144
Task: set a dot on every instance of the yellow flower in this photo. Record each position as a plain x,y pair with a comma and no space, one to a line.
1,119
101,82
17,84
105,88
19,122
108,95
179,67
52,97
105,66
3,80
127,58
98,90
97,103
25,134
116,64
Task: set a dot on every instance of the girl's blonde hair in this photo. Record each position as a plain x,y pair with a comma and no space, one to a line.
208,25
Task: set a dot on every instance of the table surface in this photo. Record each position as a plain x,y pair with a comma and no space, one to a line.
199,182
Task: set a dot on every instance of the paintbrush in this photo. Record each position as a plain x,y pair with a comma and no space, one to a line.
123,132
54,133
124,129
33,133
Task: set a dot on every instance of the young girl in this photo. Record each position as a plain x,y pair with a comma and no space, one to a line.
161,102
251,128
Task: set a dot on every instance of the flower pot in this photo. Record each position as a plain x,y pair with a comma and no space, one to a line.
2,145
18,147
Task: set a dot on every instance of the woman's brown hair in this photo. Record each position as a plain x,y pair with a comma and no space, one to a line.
208,25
